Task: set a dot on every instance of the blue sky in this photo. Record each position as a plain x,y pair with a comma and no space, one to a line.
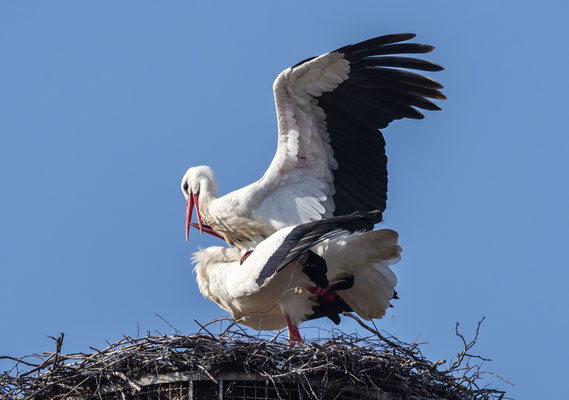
105,105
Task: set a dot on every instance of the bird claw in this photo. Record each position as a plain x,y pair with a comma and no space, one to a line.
321,292
294,337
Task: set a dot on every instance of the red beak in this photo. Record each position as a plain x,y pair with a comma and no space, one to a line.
189,209
208,229
196,201
193,199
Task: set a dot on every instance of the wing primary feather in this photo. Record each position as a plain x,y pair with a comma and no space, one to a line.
399,62
373,99
375,42
355,201
397,75
369,190
380,83
400,48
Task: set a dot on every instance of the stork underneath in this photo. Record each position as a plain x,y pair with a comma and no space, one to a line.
330,158
313,270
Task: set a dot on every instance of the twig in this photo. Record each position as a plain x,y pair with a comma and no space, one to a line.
58,344
169,324
320,368
203,327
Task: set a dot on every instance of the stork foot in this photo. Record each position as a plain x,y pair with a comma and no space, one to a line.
293,333
318,291
245,257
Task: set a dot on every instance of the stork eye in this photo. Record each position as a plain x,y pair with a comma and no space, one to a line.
186,187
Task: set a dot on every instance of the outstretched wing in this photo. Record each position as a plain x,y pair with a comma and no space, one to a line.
330,158
302,237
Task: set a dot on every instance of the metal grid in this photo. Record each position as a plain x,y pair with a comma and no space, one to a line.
161,391
206,390
245,390
261,390
230,390
265,390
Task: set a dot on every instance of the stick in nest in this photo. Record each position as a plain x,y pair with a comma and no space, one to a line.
375,362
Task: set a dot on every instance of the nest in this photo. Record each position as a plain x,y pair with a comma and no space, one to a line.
370,366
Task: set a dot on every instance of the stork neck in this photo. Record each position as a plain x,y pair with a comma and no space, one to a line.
205,198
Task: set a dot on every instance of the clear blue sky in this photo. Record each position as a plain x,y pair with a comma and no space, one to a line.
105,104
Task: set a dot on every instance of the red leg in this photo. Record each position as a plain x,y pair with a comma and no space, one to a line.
293,333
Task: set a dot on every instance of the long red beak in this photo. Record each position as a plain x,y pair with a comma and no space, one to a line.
193,199
207,229
196,201
189,209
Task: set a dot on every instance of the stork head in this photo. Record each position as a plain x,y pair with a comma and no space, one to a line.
197,183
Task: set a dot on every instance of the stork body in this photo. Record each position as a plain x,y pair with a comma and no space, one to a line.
330,157
301,273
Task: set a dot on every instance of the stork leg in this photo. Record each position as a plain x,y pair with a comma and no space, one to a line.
293,333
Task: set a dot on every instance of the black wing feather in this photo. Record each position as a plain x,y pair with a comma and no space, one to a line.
401,48
376,93
375,42
304,236
400,62
395,75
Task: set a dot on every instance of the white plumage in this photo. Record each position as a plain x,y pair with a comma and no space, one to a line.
284,298
302,224
330,157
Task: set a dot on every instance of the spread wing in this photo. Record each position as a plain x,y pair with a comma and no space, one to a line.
330,158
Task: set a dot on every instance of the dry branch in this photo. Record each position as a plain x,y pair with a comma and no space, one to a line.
321,366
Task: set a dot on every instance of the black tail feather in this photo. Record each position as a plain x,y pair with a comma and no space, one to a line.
315,267
330,310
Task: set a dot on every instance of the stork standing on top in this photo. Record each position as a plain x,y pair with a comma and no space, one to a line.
330,157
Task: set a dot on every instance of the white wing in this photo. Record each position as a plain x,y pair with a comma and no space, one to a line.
299,181
330,158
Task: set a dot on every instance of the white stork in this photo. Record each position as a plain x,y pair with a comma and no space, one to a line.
330,158
302,272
